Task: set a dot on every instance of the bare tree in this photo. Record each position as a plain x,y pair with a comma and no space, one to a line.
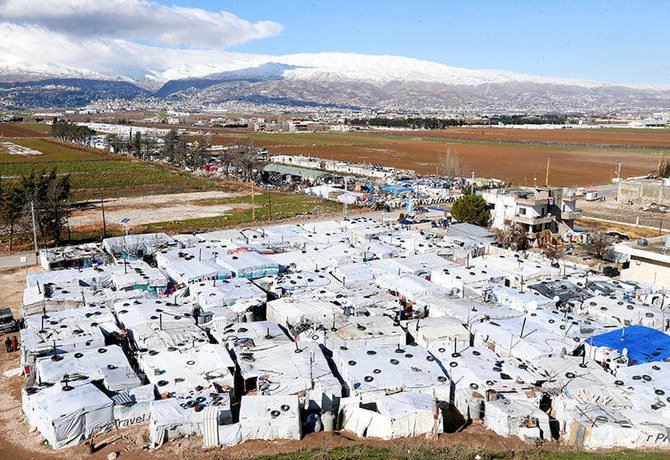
452,164
513,236
554,252
598,244
246,158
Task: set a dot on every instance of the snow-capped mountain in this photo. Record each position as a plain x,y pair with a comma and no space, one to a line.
319,66
342,79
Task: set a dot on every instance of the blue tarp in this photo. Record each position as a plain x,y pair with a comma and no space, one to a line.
431,208
390,188
644,344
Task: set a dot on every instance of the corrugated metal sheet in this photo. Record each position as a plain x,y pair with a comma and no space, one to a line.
210,427
295,170
122,398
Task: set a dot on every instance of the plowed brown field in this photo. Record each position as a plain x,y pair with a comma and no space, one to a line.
19,130
519,164
629,137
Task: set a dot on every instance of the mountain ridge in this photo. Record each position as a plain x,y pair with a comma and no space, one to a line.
330,80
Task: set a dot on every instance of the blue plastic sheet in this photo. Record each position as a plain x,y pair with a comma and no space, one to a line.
644,344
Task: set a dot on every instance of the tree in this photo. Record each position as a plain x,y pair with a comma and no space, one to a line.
554,252
113,143
663,169
513,236
71,132
200,155
11,213
452,165
136,145
175,148
49,194
598,244
473,209
245,159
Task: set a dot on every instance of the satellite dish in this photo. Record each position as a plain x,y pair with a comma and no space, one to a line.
556,298
624,352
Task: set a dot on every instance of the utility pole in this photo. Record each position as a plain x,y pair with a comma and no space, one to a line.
345,205
546,178
104,222
69,234
253,202
270,204
37,250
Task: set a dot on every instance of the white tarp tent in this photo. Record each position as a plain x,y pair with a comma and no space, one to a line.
270,417
186,372
398,415
373,373
175,418
71,330
369,332
248,264
292,369
108,364
510,417
66,416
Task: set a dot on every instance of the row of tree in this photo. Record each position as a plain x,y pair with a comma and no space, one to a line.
46,195
71,132
175,148
410,122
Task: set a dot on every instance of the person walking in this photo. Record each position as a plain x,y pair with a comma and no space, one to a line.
15,344
8,344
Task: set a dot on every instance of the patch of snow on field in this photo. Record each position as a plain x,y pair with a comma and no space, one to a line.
13,149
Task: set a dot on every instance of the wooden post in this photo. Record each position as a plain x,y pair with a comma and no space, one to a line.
546,178
104,222
253,202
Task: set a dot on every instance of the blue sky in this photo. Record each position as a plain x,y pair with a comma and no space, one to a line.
599,40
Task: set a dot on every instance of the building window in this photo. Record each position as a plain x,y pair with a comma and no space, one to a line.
522,211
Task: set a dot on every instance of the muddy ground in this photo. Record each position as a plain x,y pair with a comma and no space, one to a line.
155,208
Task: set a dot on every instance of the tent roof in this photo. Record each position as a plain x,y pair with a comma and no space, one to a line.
644,344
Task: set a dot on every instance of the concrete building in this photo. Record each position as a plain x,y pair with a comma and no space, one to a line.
535,209
649,263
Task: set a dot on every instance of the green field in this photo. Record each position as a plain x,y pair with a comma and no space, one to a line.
284,206
92,172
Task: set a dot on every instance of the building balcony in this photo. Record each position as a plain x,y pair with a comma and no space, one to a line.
571,215
532,202
530,220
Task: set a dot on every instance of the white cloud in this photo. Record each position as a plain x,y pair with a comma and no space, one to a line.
135,20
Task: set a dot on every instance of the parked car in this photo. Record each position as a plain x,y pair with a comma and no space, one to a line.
7,322
618,235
